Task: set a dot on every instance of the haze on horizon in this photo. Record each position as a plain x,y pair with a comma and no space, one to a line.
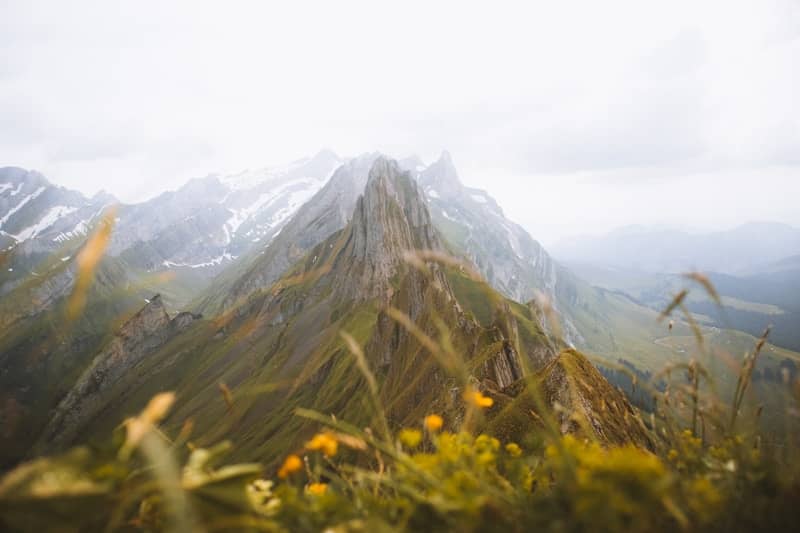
578,117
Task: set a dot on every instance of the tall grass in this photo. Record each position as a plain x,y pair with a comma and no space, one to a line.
707,470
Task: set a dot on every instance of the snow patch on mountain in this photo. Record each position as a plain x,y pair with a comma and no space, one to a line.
80,229
294,201
49,218
308,187
213,262
20,205
481,199
513,241
249,179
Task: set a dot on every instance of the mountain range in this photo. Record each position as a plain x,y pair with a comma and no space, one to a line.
193,232
737,251
257,276
755,269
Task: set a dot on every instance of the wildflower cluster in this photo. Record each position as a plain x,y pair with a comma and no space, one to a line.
424,478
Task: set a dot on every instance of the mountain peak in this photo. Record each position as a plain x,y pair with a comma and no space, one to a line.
326,154
150,318
104,197
390,219
18,175
389,187
442,177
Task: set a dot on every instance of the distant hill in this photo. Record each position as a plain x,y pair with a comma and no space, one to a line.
733,251
751,302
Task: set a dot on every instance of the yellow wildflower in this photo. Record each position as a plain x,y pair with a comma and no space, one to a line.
513,449
317,489
410,437
673,454
324,442
433,423
292,464
477,399
485,442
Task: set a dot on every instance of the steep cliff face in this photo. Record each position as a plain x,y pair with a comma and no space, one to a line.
389,220
503,252
139,337
577,397
327,212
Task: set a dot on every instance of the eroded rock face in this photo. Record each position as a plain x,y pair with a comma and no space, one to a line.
503,252
583,401
389,220
142,334
504,368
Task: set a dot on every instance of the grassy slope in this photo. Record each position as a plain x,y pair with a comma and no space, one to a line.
302,362
43,353
616,328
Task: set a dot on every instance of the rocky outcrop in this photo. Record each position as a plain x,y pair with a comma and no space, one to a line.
504,367
590,403
142,334
580,400
503,252
389,220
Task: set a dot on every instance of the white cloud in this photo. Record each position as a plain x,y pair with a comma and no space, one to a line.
568,102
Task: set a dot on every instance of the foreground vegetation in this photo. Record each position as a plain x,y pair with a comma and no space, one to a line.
421,478
708,467
424,479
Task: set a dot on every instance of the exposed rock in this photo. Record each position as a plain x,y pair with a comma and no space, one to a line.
503,252
580,399
504,367
143,333
389,220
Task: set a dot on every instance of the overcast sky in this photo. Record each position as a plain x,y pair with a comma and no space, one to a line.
577,116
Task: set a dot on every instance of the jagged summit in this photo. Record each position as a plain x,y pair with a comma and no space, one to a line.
378,220
326,155
441,179
389,219
18,174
